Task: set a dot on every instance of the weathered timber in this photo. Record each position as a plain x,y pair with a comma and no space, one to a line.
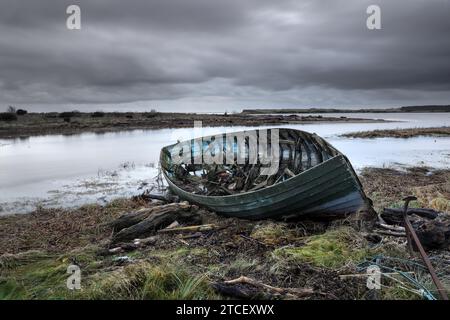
132,218
365,275
391,233
391,227
395,216
200,228
136,244
434,234
146,241
248,288
159,220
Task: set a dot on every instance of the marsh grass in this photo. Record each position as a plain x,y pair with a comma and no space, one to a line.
57,230
145,281
333,249
275,233
387,187
39,275
400,133
44,277
36,280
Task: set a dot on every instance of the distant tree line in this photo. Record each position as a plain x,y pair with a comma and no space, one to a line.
12,113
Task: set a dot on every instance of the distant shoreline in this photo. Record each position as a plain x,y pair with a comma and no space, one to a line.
408,109
35,124
400,133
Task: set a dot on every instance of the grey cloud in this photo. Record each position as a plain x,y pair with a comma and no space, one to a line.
239,51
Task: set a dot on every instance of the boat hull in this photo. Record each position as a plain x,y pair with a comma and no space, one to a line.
330,188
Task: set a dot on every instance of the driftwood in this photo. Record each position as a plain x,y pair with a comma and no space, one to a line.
199,228
192,236
432,229
136,244
248,288
132,218
395,216
389,230
159,219
174,224
365,275
166,198
434,234
146,241
390,227
391,233
150,196
125,247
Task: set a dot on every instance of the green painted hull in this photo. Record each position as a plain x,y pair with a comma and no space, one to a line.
329,188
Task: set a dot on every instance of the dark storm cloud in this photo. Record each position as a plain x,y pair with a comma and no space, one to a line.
236,50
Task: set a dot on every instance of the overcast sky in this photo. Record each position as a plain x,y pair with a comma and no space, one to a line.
210,55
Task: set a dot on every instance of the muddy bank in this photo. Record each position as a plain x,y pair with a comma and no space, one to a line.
73,123
401,133
318,257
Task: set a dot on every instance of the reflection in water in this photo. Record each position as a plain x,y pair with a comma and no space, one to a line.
75,169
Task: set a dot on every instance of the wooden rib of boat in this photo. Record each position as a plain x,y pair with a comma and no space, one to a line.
313,178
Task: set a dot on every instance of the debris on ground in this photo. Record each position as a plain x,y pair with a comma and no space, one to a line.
180,251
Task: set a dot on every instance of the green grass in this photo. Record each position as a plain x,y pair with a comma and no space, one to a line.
41,276
37,275
243,265
144,281
11,290
36,280
332,249
400,204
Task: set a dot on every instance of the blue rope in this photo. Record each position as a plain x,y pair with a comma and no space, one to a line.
426,293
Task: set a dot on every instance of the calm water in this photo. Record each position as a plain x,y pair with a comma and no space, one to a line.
72,170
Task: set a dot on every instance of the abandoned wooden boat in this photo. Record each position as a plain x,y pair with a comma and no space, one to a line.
232,174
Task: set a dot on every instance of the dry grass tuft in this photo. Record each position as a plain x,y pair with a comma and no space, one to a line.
387,187
56,230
